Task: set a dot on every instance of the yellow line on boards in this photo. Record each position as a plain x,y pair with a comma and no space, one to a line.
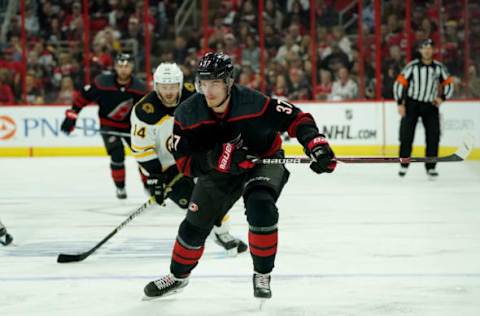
290,150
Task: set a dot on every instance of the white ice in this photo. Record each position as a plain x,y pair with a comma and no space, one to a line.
360,241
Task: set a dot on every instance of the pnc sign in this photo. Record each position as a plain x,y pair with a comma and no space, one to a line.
8,127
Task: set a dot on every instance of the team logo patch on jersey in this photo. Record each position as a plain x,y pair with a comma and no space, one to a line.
148,108
193,207
121,111
190,87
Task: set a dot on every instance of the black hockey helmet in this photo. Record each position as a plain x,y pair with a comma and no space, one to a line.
124,58
426,42
215,65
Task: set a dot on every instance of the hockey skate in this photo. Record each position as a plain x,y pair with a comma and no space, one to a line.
261,285
261,288
121,193
5,238
165,286
432,174
403,171
232,245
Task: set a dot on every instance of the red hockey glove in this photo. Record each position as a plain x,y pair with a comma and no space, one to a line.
322,155
231,157
68,124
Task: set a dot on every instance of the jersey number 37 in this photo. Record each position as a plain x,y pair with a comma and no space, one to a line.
284,107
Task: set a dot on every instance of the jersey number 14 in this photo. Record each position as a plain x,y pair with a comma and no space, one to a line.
140,132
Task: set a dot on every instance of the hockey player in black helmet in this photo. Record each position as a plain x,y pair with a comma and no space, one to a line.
215,132
115,93
151,134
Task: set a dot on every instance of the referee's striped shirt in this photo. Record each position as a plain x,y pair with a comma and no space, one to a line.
420,82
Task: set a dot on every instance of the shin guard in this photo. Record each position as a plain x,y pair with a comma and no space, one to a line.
262,216
118,174
188,249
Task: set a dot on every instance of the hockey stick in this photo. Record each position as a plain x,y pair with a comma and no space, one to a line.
460,155
66,258
113,133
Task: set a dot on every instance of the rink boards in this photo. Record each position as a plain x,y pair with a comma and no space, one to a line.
355,128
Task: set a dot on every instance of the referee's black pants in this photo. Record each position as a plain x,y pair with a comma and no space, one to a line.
431,122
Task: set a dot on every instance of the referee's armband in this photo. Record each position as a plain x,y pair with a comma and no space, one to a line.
402,80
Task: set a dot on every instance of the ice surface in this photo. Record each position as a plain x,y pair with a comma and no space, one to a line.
360,241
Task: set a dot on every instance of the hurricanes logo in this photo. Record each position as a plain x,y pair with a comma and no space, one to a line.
193,207
8,128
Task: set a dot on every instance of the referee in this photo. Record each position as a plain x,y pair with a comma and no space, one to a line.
419,90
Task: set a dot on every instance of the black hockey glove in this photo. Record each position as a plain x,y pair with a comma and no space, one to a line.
322,155
230,157
68,124
156,186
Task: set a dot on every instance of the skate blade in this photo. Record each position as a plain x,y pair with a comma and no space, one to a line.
232,252
262,302
152,298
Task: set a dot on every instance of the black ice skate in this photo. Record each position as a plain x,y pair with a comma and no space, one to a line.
403,171
261,285
5,238
432,174
232,245
121,193
165,286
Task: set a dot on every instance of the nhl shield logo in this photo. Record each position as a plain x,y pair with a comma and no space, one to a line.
193,207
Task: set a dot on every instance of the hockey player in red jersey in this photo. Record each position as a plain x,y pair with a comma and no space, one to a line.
115,93
215,132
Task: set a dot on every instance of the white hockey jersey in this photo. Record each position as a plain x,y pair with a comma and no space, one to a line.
152,130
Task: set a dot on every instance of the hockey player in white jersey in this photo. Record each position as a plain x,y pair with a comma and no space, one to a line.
151,135
5,237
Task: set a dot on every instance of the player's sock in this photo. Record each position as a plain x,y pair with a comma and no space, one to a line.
118,176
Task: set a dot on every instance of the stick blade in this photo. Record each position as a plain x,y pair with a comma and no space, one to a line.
66,258
467,145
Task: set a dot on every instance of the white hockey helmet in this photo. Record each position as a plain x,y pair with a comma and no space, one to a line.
168,73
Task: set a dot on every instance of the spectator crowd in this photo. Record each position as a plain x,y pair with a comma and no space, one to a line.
56,59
